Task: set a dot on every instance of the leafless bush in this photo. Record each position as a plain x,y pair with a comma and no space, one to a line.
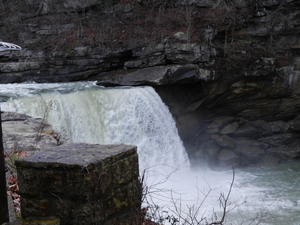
181,214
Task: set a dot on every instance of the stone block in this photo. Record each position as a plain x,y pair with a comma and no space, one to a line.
81,184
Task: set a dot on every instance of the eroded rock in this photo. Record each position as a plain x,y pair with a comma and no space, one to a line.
157,75
23,133
227,158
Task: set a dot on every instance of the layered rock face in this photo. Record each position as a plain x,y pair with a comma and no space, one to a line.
112,40
23,133
237,129
228,69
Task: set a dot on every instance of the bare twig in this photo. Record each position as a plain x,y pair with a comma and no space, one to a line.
224,201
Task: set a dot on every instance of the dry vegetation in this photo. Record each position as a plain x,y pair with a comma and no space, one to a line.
180,214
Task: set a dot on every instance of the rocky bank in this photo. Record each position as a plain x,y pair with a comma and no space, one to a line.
228,69
21,133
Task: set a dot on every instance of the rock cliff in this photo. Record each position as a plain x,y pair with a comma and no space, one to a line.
228,69
129,41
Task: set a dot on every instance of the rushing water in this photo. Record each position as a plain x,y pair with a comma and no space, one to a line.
94,115
84,112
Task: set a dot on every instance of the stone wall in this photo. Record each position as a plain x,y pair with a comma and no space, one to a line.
81,184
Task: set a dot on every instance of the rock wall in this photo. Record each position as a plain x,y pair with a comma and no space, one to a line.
229,69
129,41
251,123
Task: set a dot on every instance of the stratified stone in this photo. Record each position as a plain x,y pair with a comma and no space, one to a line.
251,149
157,75
228,158
81,184
219,123
230,128
224,141
23,133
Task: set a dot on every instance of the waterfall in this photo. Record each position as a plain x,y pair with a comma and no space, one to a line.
135,116
84,112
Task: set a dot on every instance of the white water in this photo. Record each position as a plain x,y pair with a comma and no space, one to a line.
95,115
84,112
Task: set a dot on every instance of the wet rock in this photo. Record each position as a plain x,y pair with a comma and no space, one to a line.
284,153
268,160
211,149
279,127
250,149
294,125
269,128
247,131
216,125
207,152
278,139
230,128
228,158
224,141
